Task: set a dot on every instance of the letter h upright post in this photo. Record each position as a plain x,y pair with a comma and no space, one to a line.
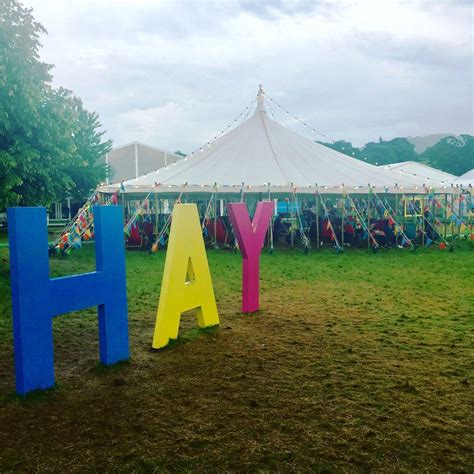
36,298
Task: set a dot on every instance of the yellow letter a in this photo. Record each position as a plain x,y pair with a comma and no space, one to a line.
186,280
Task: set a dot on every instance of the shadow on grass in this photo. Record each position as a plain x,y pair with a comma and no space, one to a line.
254,314
35,396
100,368
188,336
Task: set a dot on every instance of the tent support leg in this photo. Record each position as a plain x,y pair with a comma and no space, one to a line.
368,221
423,221
317,222
396,214
215,218
342,220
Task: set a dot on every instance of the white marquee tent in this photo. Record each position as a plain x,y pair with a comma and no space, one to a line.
262,155
466,180
428,174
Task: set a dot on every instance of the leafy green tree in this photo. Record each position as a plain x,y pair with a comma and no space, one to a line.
23,82
82,168
344,147
49,144
451,154
388,152
378,153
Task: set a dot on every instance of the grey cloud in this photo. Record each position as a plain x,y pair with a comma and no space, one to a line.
190,68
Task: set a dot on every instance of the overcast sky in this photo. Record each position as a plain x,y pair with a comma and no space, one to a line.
173,74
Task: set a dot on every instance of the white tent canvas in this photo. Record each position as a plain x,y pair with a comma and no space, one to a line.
466,180
264,156
428,174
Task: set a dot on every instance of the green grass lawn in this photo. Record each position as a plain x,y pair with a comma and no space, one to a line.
53,232
357,361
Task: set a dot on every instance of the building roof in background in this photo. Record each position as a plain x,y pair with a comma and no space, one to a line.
135,159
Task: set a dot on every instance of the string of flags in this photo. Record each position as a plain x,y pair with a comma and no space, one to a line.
160,240
80,228
452,217
405,239
141,210
329,226
360,220
423,209
304,238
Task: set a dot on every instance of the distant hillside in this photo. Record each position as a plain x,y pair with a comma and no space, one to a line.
425,141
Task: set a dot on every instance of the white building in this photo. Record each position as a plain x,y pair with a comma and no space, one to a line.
135,159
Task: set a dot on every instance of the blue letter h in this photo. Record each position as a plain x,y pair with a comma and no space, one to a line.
36,298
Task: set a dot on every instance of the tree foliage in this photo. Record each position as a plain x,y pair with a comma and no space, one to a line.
345,147
388,152
378,153
49,144
451,154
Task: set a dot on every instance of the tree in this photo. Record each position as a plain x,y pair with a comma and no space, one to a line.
49,144
82,168
378,153
453,155
344,147
388,152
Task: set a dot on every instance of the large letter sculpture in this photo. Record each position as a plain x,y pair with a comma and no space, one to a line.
186,281
250,236
36,298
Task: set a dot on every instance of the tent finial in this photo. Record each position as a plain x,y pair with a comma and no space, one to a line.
260,99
